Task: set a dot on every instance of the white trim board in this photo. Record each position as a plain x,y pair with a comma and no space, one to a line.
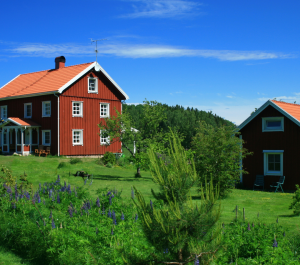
263,107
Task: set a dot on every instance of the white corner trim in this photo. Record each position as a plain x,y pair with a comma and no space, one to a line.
9,81
11,120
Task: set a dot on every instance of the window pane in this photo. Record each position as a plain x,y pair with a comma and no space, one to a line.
273,124
92,84
76,137
47,108
277,158
47,137
277,166
28,110
271,166
271,158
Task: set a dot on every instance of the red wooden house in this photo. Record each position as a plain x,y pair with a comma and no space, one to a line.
59,108
272,133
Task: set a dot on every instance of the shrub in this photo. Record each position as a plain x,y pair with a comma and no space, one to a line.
295,205
62,164
75,160
109,165
109,158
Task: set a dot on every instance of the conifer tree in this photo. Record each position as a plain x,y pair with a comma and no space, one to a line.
186,231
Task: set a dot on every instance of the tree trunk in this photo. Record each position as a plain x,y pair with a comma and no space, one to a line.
180,254
138,171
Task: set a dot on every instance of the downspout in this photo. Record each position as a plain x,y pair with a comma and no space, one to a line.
57,123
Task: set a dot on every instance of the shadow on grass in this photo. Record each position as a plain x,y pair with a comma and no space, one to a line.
117,178
289,215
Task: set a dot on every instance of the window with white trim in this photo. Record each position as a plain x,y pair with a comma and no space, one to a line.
77,137
104,138
46,108
28,110
46,137
77,107
273,162
3,112
93,85
273,124
104,110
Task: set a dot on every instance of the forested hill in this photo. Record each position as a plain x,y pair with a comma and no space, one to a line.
185,120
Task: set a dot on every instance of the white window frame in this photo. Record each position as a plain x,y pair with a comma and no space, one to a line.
273,173
44,109
275,129
80,109
108,110
81,136
102,138
25,110
96,85
2,110
43,134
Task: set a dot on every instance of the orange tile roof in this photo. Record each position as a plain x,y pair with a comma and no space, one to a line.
290,108
41,82
23,122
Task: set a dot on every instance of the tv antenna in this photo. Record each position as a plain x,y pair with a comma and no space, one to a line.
96,50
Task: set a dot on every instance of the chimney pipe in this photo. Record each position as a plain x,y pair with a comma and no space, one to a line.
60,62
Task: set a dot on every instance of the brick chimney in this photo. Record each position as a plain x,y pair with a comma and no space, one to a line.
60,62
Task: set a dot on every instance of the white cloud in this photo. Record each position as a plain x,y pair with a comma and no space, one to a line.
138,51
284,98
162,8
229,96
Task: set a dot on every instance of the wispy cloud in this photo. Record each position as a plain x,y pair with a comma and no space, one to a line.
138,51
230,96
283,98
162,8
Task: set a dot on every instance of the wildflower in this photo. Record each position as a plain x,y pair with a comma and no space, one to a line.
112,231
132,193
114,217
110,200
223,225
8,189
122,216
70,211
50,193
44,191
53,224
65,185
58,178
103,210
13,205
284,234
108,193
196,261
58,199
16,195
39,199
109,213
97,231
275,244
98,202
50,214
248,227
166,251
136,217
27,195
151,204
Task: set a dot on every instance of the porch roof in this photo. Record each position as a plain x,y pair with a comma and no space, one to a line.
21,122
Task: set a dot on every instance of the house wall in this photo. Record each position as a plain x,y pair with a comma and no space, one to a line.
256,141
15,108
107,93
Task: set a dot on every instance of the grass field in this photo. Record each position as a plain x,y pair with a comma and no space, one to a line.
40,169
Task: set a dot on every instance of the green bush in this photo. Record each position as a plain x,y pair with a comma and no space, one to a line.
109,157
109,165
62,164
75,160
296,201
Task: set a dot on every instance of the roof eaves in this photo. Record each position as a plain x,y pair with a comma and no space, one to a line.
264,106
29,95
10,81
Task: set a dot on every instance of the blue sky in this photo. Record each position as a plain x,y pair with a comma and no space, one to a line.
227,57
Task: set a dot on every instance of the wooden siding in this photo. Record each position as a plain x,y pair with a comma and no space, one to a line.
107,93
256,141
15,108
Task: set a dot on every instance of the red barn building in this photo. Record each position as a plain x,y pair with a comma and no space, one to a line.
272,133
59,109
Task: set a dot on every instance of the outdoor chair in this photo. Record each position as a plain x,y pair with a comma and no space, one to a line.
47,151
41,150
278,184
259,181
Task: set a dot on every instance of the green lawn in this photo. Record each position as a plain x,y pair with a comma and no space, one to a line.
41,169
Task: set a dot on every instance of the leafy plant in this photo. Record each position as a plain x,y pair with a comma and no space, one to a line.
75,160
109,165
62,164
110,158
295,205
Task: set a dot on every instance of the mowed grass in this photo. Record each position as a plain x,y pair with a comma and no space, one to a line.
269,205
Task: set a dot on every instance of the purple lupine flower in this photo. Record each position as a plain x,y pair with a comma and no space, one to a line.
114,218
58,199
27,195
108,193
109,214
13,205
72,205
43,190
8,189
39,199
151,204
98,202
85,181
10,197
58,178
97,231
122,216
53,224
112,231
103,210
50,214
275,244
70,211
283,234
50,193
88,204
166,251
110,202
65,185
196,260
249,227
16,195
136,217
